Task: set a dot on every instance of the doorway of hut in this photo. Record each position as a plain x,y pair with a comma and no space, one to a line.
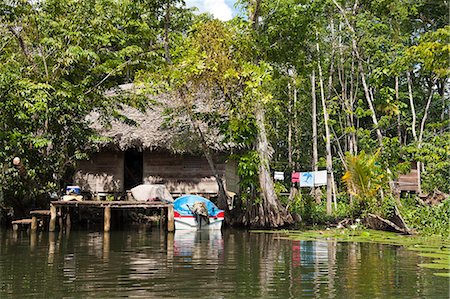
133,168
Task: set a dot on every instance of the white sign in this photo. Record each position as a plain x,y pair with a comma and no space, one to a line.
279,176
320,178
313,178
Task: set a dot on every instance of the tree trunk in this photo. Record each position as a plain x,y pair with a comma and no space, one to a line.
444,100
363,76
419,145
292,96
223,199
367,92
290,127
269,213
397,100
330,87
327,140
315,160
412,106
166,33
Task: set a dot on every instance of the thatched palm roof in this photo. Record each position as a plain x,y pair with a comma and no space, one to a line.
155,128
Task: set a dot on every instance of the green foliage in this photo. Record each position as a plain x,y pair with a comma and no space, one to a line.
247,168
363,177
313,213
432,52
57,59
429,220
280,188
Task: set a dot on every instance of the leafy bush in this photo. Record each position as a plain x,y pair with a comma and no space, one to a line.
429,220
316,214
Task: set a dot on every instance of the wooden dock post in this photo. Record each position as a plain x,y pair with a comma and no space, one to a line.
106,245
51,244
64,207
61,218
107,219
170,219
68,220
33,240
52,224
34,223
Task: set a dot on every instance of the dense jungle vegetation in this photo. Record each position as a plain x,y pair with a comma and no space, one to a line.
359,88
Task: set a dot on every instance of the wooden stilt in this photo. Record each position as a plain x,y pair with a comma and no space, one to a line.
52,224
170,219
34,223
68,220
51,244
61,219
170,239
33,240
106,242
107,219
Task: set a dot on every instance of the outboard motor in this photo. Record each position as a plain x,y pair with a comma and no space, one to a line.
200,211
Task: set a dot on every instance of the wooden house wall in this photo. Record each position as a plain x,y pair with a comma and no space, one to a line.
181,174
103,173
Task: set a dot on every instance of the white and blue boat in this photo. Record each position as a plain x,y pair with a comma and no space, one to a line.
192,212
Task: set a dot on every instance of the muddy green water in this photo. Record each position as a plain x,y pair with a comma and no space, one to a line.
148,263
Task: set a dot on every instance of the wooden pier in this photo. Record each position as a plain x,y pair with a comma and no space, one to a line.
64,210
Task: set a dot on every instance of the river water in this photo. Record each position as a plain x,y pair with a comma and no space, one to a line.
142,262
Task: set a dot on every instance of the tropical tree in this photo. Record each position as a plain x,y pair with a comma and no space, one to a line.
57,59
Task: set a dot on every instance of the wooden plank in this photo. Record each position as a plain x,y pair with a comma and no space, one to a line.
40,213
19,222
22,221
112,204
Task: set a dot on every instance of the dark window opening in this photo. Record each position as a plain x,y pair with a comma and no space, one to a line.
133,167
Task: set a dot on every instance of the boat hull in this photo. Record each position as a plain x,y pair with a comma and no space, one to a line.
190,223
190,212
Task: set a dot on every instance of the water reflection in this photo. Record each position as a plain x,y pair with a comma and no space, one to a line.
198,245
151,263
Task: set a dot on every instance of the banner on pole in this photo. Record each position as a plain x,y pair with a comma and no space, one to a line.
320,178
295,177
306,179
278,176
310,178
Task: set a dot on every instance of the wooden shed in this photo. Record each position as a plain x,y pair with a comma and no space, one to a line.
147,149
408,182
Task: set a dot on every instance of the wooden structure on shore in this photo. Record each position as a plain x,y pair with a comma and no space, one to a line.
151,147
114,172
63,208
408,182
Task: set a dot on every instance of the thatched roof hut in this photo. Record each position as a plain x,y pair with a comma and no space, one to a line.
153,146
